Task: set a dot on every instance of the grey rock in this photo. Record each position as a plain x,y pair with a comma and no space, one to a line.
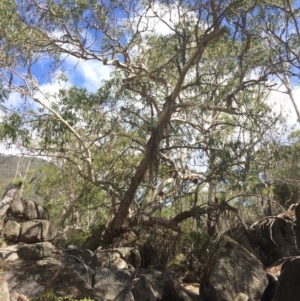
79,266
130,255
31,278
11,231
144,290
173,291
105,257
4,291
117,264
60,241
85,256
231,270
135,258
288,281
241,297
37,231
35,251
269,246
68,283
9,253
156,277
113,286
28,210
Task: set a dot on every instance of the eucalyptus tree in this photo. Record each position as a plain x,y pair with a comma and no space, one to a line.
186,102
284,174
279,31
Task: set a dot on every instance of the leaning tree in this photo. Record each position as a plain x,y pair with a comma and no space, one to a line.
186,103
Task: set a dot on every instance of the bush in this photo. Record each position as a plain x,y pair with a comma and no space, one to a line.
76,237
162,248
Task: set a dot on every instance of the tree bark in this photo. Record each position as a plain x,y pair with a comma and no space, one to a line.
6,201
143,219
297,215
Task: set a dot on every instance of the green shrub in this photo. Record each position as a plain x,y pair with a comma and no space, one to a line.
162,248
76,237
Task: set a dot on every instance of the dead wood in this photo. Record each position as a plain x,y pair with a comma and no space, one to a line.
7,199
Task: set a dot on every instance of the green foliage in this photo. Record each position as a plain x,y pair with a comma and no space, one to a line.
62,188
76,238
12,129
195,249
283,175
250,208
17,168
3,96
162,248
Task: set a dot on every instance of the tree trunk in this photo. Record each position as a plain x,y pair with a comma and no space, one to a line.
152,147
212,217
7,199
297,215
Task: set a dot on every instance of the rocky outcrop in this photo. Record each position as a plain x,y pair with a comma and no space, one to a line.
31,278
78,274
172,291
35,251
60,241
68,282
118,258
113,285
37,231
118,264
30,223
144,290
85,256
9,253
79,266
28,210
12,231
270,238
156,278
6,201
232,270
232,273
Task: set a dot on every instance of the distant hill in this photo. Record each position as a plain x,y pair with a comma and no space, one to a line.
17,167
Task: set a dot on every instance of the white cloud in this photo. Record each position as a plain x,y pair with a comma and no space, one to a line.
14,100
83,73
11,150
86,74
281,103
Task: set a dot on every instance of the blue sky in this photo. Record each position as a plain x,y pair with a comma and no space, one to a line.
89,74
